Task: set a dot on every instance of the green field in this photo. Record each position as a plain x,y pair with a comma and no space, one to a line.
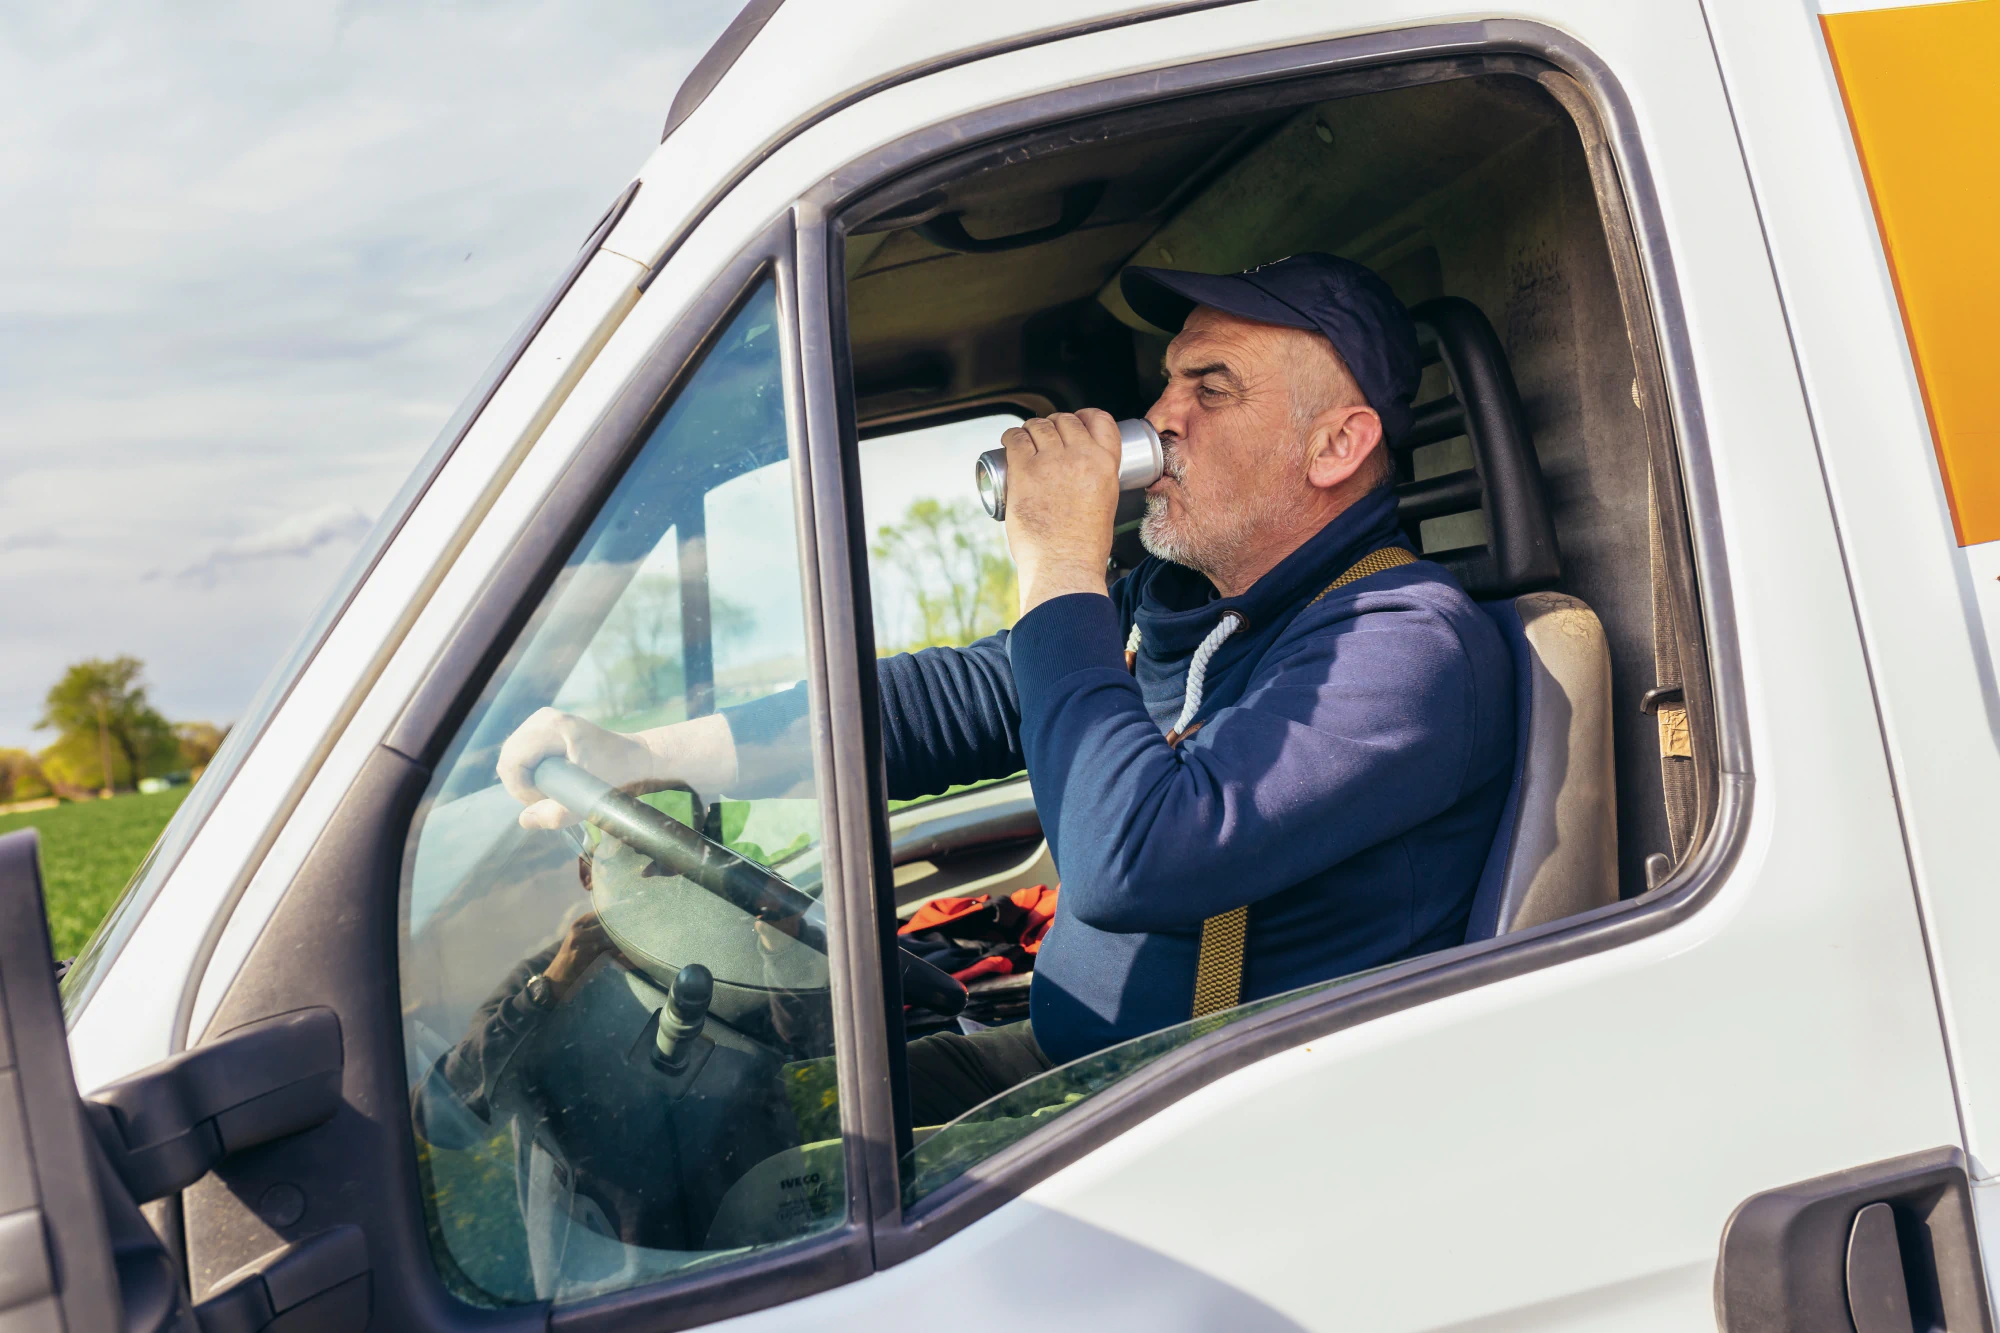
91,848
89,851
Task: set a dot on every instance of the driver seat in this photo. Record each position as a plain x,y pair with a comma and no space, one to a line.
1555,852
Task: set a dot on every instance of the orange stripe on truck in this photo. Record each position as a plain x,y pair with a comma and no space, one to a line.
1922,88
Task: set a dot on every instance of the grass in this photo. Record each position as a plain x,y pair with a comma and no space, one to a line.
91,848
89,851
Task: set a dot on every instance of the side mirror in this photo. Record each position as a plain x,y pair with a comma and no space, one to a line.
75,1253
168,1125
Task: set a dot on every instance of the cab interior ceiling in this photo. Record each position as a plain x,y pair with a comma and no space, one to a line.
998,285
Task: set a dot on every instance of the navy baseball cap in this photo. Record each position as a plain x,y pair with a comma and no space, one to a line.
1340,300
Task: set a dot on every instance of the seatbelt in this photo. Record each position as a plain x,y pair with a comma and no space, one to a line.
1218,971
1667,700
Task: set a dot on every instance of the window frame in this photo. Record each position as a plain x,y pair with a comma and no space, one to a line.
1026,405
449,690
1630,212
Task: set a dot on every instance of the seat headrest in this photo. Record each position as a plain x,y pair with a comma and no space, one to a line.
1505,479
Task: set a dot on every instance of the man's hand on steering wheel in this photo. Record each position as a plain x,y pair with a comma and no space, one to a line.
777,905
699,754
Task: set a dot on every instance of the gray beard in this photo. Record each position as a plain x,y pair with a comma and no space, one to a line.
1158,535
1214,542
1191,542
1162,538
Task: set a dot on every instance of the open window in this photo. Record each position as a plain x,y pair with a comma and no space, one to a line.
940,575
1541,471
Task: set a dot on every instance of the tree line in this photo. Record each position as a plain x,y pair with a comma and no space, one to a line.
108,737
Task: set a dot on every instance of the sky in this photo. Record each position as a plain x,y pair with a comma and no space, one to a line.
251,258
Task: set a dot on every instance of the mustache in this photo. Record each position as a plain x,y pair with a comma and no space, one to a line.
1173,465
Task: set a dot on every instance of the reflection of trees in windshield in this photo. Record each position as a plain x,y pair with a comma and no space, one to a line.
957,583
638,651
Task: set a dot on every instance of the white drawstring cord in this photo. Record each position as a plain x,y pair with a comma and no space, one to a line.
1198,669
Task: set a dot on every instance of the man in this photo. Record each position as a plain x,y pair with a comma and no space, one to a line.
1222,729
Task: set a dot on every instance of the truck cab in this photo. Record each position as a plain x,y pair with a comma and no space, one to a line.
1698,430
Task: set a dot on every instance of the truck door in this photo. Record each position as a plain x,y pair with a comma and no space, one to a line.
1555,1129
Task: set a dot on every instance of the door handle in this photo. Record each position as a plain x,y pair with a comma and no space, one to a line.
1883,1248
316,1285
1880,1274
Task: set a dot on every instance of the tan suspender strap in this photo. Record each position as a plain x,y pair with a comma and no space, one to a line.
1373,563
1218,972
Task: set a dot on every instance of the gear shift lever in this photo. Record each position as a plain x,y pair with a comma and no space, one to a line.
682,1019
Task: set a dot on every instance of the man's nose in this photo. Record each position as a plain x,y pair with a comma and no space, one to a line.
1167,416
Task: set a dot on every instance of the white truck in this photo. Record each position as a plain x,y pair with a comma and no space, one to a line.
1709,292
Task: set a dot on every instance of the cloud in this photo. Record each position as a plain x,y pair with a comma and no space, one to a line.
40,539
234,283
296,535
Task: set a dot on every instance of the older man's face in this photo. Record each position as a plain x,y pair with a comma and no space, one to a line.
1234,460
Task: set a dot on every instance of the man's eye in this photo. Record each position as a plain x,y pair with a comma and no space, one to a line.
1210,392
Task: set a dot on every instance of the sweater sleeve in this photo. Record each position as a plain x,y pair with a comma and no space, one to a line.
1351,735
949,716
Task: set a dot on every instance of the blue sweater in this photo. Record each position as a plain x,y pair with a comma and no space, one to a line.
1345,783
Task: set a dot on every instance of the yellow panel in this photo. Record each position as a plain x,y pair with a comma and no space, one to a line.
1922,86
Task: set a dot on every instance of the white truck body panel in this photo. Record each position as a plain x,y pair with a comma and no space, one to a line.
1927,605
1452,1165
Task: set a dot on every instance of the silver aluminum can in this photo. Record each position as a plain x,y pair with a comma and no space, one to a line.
1140,463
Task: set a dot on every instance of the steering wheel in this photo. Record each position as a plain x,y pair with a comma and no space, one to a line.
735,879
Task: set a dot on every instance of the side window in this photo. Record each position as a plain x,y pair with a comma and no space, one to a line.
614,977
1252,852
941,575
937,564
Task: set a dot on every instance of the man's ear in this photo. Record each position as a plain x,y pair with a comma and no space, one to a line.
1341,443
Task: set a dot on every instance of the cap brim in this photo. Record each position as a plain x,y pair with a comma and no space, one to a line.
1163,297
